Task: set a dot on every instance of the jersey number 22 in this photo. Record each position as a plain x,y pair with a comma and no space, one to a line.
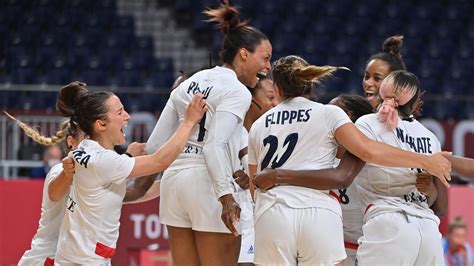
290,143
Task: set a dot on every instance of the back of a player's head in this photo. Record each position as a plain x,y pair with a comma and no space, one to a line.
83,108
295,77
400,92
354,105
182,77
405,87
238,34
390,53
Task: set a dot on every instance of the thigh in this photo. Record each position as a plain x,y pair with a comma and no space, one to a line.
275,236
217,248
431,250
388,238
320,237
182,246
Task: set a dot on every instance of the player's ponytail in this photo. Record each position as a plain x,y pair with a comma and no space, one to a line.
237,34
295,77
36,136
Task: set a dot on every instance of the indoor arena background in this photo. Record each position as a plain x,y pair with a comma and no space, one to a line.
137,47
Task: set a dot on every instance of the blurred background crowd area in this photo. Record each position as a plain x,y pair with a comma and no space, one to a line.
137,48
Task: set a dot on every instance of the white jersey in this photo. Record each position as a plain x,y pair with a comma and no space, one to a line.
222,92
90,228
352,216
45,240
297,134
388,189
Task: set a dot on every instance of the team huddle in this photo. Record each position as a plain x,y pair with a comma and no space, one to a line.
253,171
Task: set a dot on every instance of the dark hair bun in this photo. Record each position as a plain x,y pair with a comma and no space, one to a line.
393,45
226,16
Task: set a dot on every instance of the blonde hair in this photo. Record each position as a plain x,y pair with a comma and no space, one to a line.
457,222
37,137
399,92
296,77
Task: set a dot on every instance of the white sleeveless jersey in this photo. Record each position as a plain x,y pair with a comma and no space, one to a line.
222,92
388,189
90,228
297,134
45,240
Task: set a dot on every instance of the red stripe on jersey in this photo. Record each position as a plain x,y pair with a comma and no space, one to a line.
48,262
334,194
368,207
104,251
350,245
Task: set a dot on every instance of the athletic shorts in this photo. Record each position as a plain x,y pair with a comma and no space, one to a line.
188,200
247,247
248,233
308,236
397,238
350,259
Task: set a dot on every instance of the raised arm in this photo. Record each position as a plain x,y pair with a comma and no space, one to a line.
332,178
59,186
166,154
349,136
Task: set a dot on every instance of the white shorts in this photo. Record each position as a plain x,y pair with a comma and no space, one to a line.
309,236
247,247
188,200
350,259
400,239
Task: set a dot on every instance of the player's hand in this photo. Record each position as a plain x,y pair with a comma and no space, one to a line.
136,149
196,109
266,179
439,166
424,183
230,213
68,167
241,178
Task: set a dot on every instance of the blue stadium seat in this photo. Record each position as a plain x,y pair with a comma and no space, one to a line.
24,75
129,77
94,77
